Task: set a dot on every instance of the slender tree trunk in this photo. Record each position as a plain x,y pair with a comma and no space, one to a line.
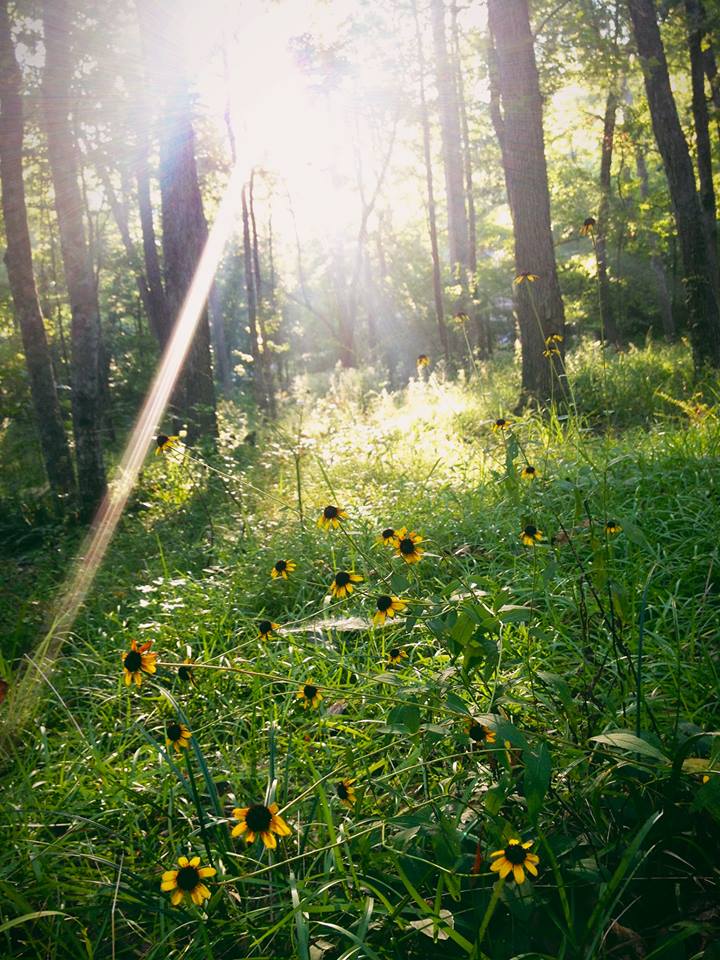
251,298
85,332
451,143
607,314
157,308
18,260
702,306
430,189
701,120
265,354
665,303
517,115
184,228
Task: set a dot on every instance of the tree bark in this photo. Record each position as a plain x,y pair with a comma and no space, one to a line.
85,330
18,260
265,354
702,306
607,314
665,303
184,227
517,115
701,120
157,308
430,190
251,298
451,143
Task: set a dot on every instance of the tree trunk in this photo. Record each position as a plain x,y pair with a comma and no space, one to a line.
251,298
665,303
517,115
18,260
184,227
451,143
702,306
430,189
701,121
607,315
85,331
157,307
265,354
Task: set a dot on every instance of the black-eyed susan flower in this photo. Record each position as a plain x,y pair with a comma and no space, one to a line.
388,537
345,792
177,736
396,655
461,317
479,733
612,527
138,661
163,443
387,606
187,881
260,821
588,227
331,517
515,857
526,278
266,627
530,535
552,348
501,424
406,546
185,673
309,695
344,583
282,568
529,472
423,360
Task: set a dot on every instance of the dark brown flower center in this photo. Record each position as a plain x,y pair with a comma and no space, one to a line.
310,691
265,626
500,422
187,879
387,533
530,530
258,818
281,566
395,653
161,440
132,661
384,603
529,469
515,853
174,732
407,546
478,732
342,578
342,791
610,525
185,674
330,513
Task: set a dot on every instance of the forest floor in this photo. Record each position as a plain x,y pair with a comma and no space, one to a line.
564,693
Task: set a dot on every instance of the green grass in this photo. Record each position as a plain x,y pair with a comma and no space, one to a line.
593,659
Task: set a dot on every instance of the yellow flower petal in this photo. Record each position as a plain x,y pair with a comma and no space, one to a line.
518,873
183,861
176,898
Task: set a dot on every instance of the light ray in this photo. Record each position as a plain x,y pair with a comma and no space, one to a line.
23,695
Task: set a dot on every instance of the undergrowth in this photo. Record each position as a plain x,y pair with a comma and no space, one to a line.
564,693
